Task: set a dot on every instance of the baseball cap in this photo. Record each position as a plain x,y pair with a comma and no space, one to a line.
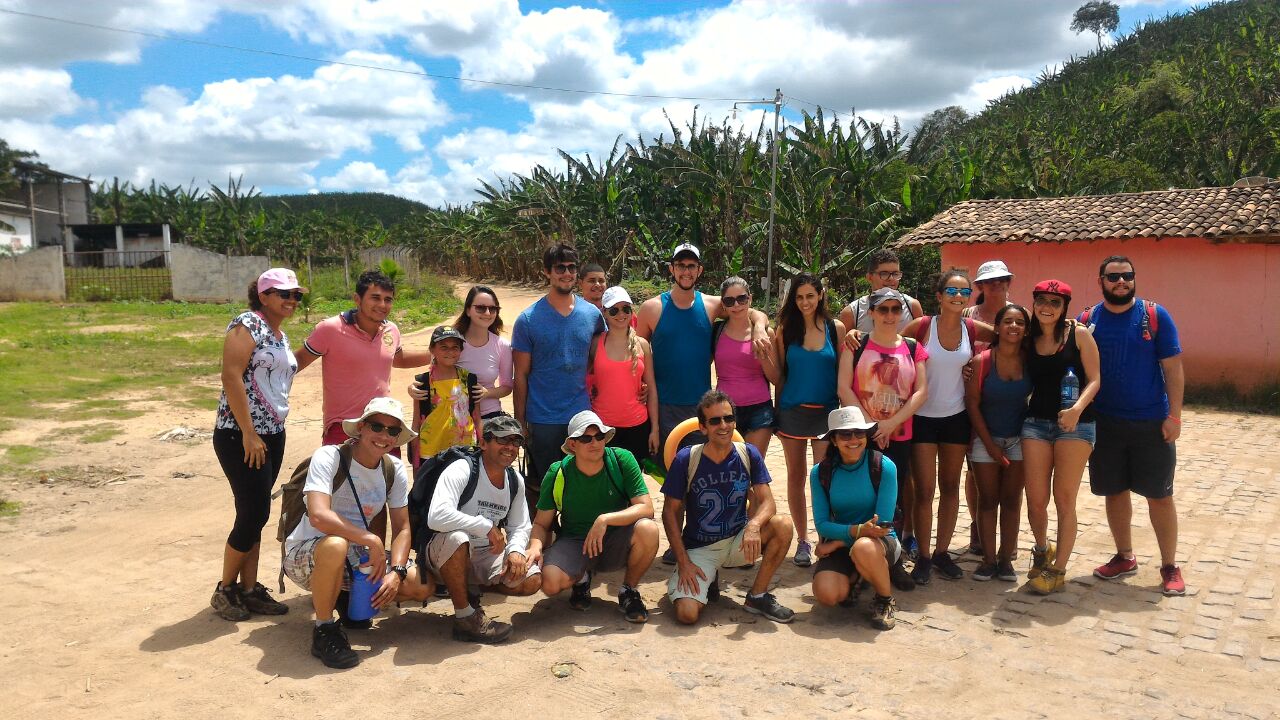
578,425
614,295
381,406
444,332
883,294
1052,287
503,425
279,279
992,270
686,248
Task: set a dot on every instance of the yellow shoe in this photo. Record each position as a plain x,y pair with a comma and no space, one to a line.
1039,561
1048,581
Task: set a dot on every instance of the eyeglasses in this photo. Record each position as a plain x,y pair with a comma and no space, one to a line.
508,440
486,309
613,311
686,267
1048,300
377,427
888,274
889,309
721,420
850,434
286,294
594,281
562,268
585,438
954,291
1117,277
737,300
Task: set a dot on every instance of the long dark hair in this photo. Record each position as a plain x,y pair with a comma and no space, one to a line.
463,323
827,465
1026,317
255,302
791,320
1059,328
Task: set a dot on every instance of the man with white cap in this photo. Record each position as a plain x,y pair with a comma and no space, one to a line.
605,515
993,280
321,552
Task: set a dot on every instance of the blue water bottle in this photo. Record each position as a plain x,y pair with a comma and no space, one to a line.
362,589
1070,391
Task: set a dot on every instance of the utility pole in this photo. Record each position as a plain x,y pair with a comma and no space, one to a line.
773,194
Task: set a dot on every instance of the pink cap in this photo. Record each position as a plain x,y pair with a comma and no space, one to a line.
279,279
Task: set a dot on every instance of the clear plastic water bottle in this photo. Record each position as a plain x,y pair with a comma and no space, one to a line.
363,587
1070,391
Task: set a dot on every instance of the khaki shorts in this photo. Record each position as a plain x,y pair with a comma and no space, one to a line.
709,559
486,567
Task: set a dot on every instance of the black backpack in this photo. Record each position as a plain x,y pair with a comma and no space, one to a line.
857,354
424,487
826,469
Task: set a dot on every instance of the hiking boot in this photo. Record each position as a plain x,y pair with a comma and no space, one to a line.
882,612
1171,582
669,557
580,593
946,567
1005,571
804,554
900,578
922,572
473,598
329,643
344,601
632,606
985,572
911,548
768,606
713,590
228,602
480,628
1050,580
259,602
1040,559
1117,566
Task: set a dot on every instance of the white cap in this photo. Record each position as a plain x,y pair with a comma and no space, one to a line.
846,418
992,270
578,426
686,248
614,295
381,406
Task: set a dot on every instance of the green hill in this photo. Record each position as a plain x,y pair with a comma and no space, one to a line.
389,209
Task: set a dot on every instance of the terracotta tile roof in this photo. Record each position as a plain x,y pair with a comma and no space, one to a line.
1248,214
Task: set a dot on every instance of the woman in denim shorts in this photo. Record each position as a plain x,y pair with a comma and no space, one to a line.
744,373
1056,440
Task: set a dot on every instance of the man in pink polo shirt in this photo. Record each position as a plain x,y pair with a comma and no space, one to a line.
359,347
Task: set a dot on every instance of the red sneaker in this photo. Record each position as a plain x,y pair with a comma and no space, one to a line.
1117,566
1171,582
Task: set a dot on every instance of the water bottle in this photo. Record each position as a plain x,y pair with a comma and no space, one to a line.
362,589
1070,391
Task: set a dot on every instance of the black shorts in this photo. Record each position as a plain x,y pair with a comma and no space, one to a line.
951,430
840,561
1131,455
634,439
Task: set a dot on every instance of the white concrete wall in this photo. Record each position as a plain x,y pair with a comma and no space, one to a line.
35,275
203,276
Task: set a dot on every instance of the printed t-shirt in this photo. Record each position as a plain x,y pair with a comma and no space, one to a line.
487,507
884,380
587,497
356,367
267,378
716,502
853,500
369,482
450,421
558,347
491,364
1132,379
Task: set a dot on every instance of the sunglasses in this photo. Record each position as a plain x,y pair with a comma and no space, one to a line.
738,300
585,438
889,309
954,291
377,427
508,440
562,268
286,294
1048,300
721,420
486,309
613,311
1117,277
850,434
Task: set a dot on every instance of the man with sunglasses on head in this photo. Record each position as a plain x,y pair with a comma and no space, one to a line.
1139,417
605,514
714,481
883,270
550,344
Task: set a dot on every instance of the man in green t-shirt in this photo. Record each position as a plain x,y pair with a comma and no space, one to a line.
606,518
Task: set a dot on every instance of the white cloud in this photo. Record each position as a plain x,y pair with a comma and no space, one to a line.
36,93
359,175
44,43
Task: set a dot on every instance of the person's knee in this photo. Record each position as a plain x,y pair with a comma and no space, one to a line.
687,611
781,527
554,581
829,595
864,549
529,586
461,557
645,533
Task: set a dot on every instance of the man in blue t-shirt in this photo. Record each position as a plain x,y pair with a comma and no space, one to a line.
717,532
550,344
1139,416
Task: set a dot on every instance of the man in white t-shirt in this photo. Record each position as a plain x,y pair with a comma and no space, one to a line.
481,525
322,552
883,270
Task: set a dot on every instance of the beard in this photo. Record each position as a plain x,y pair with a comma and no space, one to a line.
1117,299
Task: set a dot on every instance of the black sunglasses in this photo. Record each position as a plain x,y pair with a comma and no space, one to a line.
613,311
563,268
286,294
721,420
515,440
731,301
1117,277
850,434
585,438
485,309
377,427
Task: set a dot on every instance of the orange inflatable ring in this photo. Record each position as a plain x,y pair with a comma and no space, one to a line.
678,433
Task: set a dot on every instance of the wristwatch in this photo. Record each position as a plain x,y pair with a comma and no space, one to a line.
400,570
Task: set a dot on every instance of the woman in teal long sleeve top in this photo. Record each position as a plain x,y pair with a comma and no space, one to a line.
848,518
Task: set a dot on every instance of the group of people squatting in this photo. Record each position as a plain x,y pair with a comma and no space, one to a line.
878,410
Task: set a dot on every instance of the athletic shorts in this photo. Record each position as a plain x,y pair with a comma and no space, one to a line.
1049,431
486,567
842,562
1011,446
669,416
951,430
566,553
300,562
803,422
1132,455
709,559
756,417
634,439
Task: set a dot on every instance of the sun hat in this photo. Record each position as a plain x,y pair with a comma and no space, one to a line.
1052,287
578,425
614,295
279,279
503,425
684,248
992,270
444,332
846,418
884,294
381,406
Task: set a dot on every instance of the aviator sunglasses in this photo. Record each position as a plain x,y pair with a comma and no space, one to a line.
954,291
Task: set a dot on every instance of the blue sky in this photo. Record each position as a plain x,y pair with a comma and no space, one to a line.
99,103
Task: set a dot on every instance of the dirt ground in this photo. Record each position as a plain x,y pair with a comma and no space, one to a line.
111,565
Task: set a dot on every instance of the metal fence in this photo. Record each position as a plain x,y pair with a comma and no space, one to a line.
118,275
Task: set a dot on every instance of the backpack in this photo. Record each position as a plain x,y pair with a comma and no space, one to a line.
984,366
857,354
695,457
293,501
425,406
827,469
922,332
425,479
1150,320
557,487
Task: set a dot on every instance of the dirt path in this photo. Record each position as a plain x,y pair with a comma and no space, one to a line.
107,587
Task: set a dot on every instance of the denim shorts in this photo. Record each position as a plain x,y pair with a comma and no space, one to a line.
1010,446
1049,431
756,417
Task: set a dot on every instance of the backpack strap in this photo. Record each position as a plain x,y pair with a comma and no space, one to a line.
695,457
922,330
971,330
874,469
1089,317
717,329
1150,321
831,336
984,366
511,488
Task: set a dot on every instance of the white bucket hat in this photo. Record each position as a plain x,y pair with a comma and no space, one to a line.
846,418
381,406
992,270
578,425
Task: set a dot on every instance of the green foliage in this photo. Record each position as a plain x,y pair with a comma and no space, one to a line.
1099,17
23,454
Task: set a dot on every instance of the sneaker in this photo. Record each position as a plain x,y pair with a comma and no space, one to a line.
669,557
480,628
882,612
921,572
580,593
632,606
329,643
228,602
911,548
985,572
1005,571
1171,582
900,578
768,606
713,591
260,602
344,600
947,567
804,554
1040,560
1117,566
1048,581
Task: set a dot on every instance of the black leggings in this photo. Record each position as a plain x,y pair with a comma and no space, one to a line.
250,486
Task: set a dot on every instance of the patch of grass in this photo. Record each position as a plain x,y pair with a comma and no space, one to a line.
1264,399
24,454
6,424
209,403
9,508
100,432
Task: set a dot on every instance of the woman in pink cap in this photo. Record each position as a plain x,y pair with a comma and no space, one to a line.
248,437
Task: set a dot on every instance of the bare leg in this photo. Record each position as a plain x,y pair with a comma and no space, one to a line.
924,466
1011,486
326,577
1069,458
907,499
529,586
830,588
688,610
232,560
775,541
556,581
249,567
760,438
644,548
417,586
868,557
1037,457
1120,520
797,480
454,574
973,501
988,478
950,463
1164,520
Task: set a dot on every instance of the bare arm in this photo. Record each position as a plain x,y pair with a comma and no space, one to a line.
237,350
305,357
520,384
846,316
916,309
411,359
983,332
844,381
539,533
973,403
1175,386
647,318
651,397
672,517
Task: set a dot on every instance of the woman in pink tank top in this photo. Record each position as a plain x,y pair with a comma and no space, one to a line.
619,378
741,373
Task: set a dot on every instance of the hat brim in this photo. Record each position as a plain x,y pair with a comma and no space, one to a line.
831,434
608,438
351,428
996,276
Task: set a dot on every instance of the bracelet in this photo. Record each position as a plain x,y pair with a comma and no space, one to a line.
1175,419
859,534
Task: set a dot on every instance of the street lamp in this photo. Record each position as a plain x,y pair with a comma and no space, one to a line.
773,182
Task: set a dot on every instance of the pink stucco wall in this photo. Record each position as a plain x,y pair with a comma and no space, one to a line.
1225,298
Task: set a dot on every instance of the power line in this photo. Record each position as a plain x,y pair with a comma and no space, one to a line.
364,66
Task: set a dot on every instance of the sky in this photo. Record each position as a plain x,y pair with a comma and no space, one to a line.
426,98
